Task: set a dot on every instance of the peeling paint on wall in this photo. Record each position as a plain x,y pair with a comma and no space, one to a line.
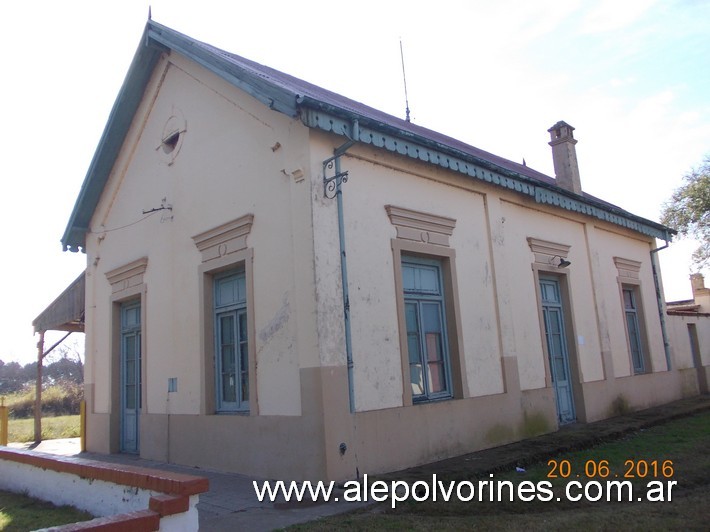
277,322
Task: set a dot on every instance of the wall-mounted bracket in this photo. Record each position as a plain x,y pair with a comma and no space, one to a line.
331,184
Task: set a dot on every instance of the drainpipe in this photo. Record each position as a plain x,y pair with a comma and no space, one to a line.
659,300
332,185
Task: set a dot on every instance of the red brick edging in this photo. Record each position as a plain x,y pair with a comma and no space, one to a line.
143,521
176,488
126,475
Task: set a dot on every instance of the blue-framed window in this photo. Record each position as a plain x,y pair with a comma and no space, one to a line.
231,342
633,330
425,319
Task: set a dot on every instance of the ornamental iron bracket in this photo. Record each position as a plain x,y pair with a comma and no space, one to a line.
331,185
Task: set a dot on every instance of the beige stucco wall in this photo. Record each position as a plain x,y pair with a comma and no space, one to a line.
677,327
495,277
236,158
612,243
521,222
688,322
375,331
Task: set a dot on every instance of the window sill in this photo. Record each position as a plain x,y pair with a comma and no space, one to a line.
426,401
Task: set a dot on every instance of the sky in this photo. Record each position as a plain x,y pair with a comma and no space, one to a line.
632,76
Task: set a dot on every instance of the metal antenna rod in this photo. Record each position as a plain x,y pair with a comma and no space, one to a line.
404,76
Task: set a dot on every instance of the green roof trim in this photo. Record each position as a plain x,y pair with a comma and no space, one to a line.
424,150
274,97
119,122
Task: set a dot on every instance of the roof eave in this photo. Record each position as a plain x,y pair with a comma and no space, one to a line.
542,192
117,126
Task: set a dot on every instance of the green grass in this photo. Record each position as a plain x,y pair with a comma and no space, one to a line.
23,430
657,444
686,442
60,406
21,513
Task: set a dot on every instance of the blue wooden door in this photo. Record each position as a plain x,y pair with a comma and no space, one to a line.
130,376
556,340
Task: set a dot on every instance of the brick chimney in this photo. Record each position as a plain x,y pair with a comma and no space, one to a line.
701,294
564,157
697,281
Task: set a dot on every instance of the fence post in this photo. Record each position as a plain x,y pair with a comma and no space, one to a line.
82,425
38,389
3,422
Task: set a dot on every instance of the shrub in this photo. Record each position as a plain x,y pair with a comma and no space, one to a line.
59,399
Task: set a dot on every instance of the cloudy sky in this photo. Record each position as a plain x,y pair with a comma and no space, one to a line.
632,76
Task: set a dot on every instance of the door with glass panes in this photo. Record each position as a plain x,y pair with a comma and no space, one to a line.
232,346
558,353
130,376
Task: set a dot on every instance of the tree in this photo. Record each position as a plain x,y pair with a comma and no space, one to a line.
64,364
10,377
688,211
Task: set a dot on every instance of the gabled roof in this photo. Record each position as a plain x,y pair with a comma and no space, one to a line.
321,109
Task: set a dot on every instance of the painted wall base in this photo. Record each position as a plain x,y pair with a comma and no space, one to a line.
328,442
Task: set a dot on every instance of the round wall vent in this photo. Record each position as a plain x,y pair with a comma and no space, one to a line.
172,136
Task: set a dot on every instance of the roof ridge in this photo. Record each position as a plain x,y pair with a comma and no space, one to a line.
314,91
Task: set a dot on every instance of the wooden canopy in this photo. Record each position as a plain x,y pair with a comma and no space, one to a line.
66,313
